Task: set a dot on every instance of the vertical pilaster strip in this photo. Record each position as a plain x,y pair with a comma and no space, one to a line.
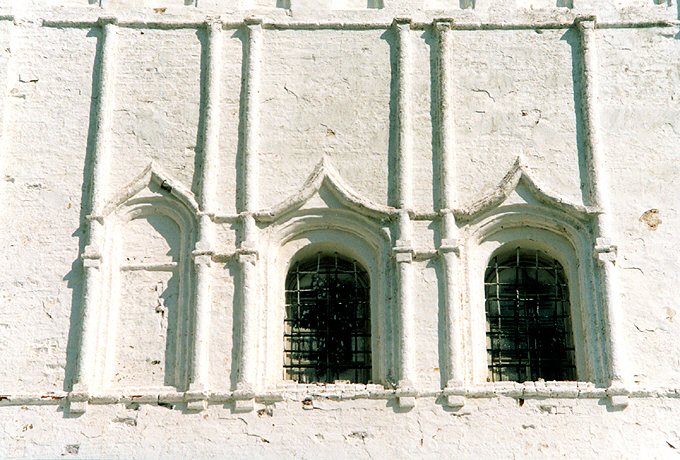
403,251
403,254
205,245
449,230
248,361
251,135
248,250
405,156
599,196
98,187
446,123
247,365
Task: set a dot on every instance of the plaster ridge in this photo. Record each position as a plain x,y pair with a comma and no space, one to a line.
516,175
152,173
324,174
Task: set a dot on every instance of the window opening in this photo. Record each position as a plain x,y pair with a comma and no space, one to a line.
327,333
528,332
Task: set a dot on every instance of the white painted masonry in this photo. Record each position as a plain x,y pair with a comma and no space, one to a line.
164,163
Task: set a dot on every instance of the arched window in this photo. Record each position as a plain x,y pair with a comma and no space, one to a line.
327,333
528,334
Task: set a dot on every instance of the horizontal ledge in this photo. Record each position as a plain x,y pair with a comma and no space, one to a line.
169,266
559,390
355,25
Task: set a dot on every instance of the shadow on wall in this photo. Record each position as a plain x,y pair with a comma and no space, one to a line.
393,141
201,34
75,276
572,38
237,313
430,37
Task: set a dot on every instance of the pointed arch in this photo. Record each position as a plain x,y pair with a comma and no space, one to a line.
519,175
156,180
351,229
326,177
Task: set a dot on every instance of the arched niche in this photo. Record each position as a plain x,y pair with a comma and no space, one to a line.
146,322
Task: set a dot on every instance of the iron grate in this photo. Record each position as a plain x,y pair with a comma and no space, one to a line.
327,331
528,332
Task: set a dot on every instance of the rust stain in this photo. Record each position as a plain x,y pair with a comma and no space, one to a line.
53,397
4,398
651,218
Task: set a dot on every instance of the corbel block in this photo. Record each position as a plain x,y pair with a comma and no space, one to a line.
197,401
78,401
244,400
605,251
449,245
403,252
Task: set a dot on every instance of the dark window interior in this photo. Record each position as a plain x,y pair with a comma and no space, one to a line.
528,335
327,331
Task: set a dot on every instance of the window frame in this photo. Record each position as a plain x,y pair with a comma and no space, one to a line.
353,237
560,236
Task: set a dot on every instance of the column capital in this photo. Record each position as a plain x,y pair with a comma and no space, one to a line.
403,252
214,24
107,20
202,258
449,245
247,254
586,22
253,22
442,24
402,22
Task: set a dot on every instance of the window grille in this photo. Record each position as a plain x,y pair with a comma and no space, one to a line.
528,332
327,333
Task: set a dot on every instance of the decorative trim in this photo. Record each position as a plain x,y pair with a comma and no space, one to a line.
551,20
553,391
324,174
599,195
98,187
519,174
153,173
200,370
402,27
250,164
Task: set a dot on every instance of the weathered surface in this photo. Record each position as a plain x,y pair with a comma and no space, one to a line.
162,162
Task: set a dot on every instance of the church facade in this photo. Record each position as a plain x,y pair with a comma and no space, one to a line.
339,228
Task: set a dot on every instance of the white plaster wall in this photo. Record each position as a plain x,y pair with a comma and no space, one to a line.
157,101
515,97
47,104
641,114
325,93
338,430
328,92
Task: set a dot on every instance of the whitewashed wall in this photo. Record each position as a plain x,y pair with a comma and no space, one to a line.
265,125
